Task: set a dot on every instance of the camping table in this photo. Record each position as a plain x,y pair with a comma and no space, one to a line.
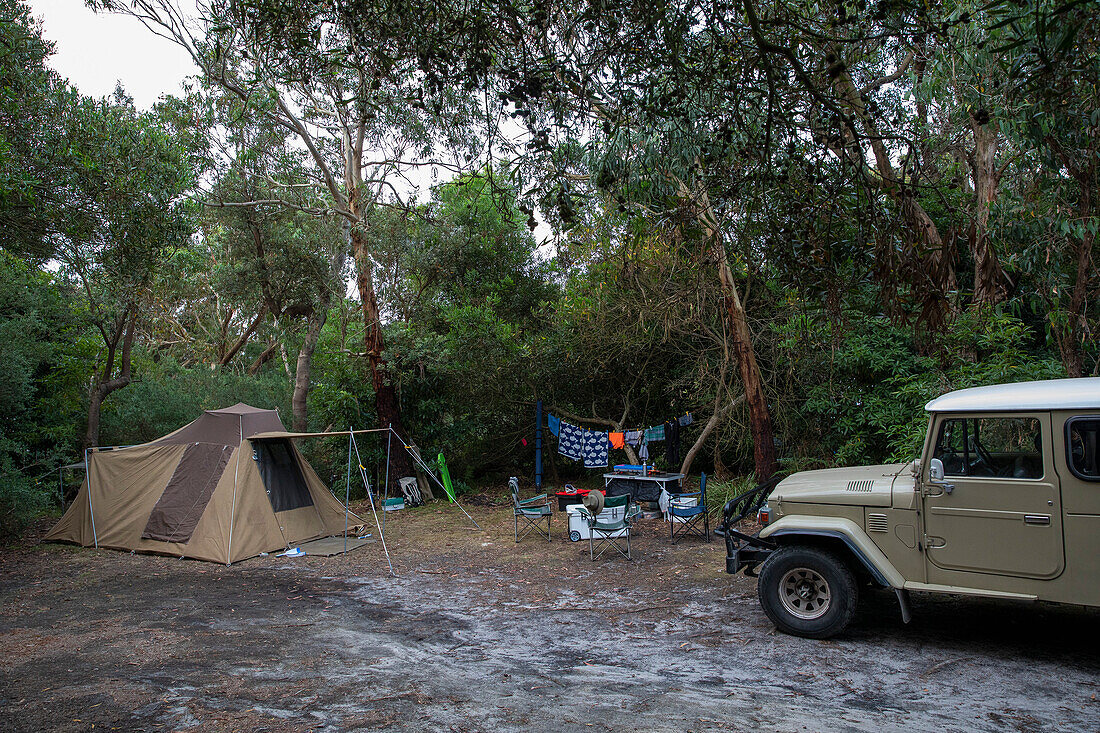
641,488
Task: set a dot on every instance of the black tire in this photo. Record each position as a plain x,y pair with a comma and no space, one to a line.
574,536
807,591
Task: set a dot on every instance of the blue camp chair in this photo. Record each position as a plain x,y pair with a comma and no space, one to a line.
605,535
533,511
685,519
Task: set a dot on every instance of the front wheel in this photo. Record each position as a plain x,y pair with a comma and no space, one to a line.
807,591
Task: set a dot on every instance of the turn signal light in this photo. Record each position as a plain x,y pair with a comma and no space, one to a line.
762,516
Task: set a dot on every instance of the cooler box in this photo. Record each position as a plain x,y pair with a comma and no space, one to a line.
578,525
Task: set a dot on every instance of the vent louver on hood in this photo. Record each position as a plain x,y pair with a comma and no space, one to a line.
861,486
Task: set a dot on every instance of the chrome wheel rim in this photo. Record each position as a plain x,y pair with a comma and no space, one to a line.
804,593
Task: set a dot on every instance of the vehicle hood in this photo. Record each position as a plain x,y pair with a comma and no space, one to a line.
858,486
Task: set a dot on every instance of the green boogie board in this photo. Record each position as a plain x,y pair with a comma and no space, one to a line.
445,475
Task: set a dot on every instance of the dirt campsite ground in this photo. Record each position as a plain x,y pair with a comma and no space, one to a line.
476,633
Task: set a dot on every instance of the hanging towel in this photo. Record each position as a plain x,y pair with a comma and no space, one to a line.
554,423
617,439
634,437
595,449
571,441
643,452
685,420
655,433
672,443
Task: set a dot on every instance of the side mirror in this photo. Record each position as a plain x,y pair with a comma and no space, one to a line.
935,469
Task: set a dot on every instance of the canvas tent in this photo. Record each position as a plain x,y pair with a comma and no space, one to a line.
213,490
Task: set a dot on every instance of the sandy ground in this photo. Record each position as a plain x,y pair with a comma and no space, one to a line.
477,633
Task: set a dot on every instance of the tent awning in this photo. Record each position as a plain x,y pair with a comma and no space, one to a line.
273,435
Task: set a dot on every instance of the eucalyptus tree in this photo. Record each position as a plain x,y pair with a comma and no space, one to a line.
355,85
133,211
284,260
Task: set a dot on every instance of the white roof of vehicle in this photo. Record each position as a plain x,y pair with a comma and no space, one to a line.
1052,394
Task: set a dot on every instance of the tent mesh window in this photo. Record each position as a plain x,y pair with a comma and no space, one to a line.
282,476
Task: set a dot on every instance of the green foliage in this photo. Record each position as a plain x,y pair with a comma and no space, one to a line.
41,387
876,379
165,395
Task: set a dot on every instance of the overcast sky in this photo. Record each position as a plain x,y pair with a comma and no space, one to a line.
94,51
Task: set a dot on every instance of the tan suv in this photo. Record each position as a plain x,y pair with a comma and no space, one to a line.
1004,502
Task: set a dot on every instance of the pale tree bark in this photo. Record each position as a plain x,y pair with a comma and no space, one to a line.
299,402
990,282
716,419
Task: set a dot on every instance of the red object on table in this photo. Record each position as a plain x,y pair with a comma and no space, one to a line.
572,496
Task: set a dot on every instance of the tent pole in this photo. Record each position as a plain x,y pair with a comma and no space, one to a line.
91,511
370,498
233,507
538,445
347,495
386,488
428,471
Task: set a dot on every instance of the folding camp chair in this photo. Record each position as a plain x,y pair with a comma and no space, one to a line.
533,511
606,534
685,516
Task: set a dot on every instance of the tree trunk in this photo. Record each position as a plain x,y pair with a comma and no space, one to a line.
385,396
104,384
990,282
713,422
760,418
95,402
243,338
263,358
299,402
1068,335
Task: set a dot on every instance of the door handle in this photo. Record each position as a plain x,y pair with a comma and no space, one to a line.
1042,520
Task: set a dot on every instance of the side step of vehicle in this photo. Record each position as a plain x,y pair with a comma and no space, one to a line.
935,588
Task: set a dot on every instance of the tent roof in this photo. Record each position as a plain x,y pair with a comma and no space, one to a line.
240,409
228,426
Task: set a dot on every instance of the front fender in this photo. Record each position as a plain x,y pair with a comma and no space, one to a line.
845,530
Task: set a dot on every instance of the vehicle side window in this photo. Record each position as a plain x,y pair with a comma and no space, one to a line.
1082,436
1006,447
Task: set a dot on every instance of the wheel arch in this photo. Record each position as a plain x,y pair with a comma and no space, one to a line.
844,537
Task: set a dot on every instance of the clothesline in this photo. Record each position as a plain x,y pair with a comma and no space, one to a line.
591,446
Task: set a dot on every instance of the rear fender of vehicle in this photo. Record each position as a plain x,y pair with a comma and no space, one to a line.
836,531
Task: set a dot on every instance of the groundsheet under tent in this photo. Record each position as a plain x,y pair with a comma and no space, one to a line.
329,546
353,451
